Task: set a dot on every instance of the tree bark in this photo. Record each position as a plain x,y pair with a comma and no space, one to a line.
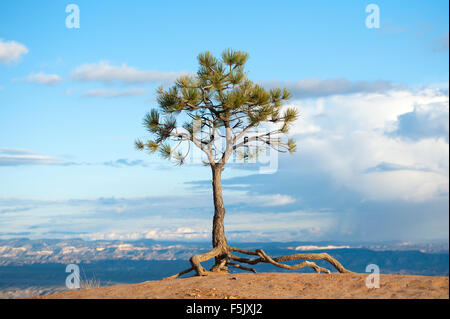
218,232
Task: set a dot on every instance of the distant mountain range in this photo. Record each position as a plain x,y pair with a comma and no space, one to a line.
25,251
22,251
36,267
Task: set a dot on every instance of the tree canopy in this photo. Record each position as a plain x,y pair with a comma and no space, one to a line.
220,103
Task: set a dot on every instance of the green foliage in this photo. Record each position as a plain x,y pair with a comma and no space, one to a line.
231,58
179,158
138,145
151,146
170,123
219,96
290,115
151,121
165,150
189,127
292,146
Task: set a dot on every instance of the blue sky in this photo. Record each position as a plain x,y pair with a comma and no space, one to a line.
373,136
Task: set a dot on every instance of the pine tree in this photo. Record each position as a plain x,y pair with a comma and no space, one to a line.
221,103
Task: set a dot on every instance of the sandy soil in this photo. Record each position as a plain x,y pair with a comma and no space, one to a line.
273,286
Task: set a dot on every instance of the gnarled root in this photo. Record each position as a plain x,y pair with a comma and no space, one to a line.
181,273
197,259
224,255
263,257
241,267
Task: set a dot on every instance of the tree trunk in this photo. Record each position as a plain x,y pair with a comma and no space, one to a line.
218,233
223,253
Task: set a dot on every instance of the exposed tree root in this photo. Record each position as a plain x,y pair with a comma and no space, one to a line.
181,273
222,265
263,257
241,267
224,255
197,259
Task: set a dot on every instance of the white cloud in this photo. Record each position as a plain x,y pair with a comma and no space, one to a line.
282,225
356,133
106,73
44,79
237,197
104,93
11,51
272,200
181,233
315,87
426,120
16,157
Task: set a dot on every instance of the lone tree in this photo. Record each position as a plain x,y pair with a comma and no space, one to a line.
220,103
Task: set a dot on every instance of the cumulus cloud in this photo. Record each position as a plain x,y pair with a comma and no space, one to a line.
362,142
106,73
16,157
104,93
307,88
11,51
426,120
43,78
